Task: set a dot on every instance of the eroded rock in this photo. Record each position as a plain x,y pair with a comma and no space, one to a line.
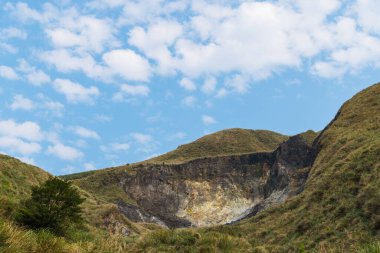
219,190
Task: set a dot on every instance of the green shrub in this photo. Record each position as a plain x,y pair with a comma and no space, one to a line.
54,206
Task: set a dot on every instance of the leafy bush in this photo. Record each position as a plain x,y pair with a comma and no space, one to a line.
54,205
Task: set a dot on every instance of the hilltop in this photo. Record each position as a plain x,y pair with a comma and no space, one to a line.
226,142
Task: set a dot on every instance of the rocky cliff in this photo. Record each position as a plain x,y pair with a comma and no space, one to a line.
216,190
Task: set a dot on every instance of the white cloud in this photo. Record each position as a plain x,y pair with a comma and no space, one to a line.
33,75
27,130
89,166
187,84
6,47
141,11
237,83
208,120
85,133
189,101
20,102
53,106
12,32
178,135
127,64
64,152
8,73
48,106
155,42
115,147
209,85
68,61
76,93
27,160
130,90
367,12
68,27
142,138
23,12
144,143
85,32
13,144
21,138
135,90
102,118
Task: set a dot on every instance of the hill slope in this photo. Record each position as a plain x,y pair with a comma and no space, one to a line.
226,142
338,211
16,181
17,178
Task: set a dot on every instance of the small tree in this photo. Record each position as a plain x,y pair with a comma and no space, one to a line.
54,205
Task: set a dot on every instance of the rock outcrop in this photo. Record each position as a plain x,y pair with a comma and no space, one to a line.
217,190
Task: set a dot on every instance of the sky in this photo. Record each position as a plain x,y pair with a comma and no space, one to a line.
92,84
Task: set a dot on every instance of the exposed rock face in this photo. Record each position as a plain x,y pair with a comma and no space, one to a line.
219,190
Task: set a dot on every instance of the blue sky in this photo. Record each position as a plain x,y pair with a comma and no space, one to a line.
102,83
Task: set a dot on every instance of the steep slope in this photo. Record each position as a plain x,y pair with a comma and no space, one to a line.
16,181
339,209
226,142
17,178
219,190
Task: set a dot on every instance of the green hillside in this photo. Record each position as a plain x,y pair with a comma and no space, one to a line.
339,210
225,142
16,181
17,178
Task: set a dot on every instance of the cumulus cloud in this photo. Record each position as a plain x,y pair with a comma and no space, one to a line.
33,76
115,147
76,93
177,136
8,73
208,120
22,103
27,130
64,152
237,83
131,90
142,138
67,61
127,64
85,132
12,144
89,166
12,32
85,32
155,42
209,85
187,84
367,15
189,101
145,143
21,138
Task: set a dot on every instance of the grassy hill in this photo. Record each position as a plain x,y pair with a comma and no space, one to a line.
226,142
17,178
339,210
16,181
